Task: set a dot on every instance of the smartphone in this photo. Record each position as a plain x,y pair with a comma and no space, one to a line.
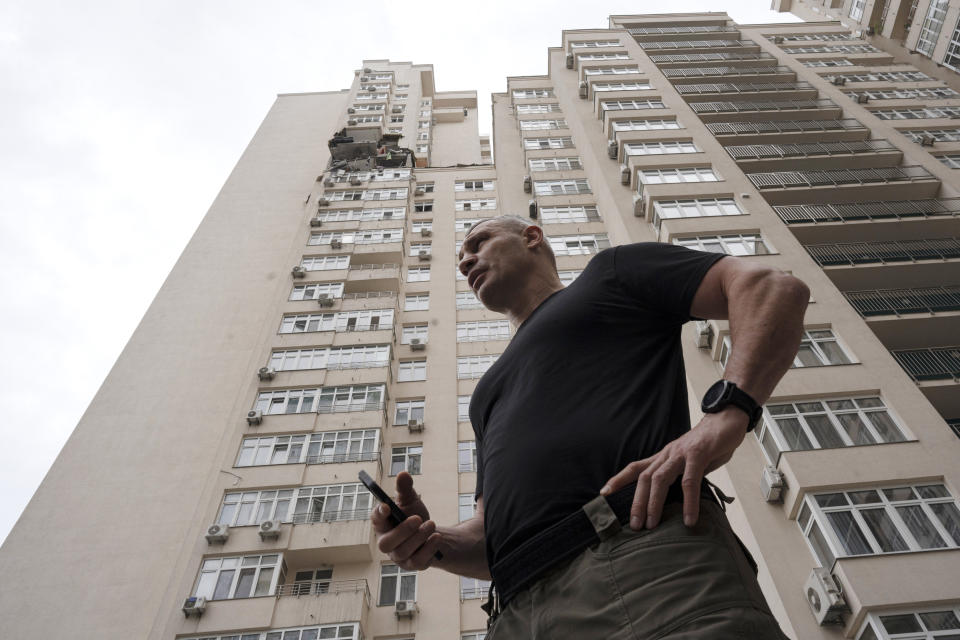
396,513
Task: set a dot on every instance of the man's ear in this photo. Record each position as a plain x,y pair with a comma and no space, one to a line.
533,236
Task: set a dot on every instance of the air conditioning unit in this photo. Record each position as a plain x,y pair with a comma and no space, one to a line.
194,606
703,334
423,255
325,300
639,207
417,345
371,88
269,530
824,597
405,608
336,243
351,122
415,426
217,533
355,181
367,70
772,484
323,202
624,174
328,182
583,90
862,98
316,222
613,149
527,184
838,80
426,232
396,110
254,416
419,191
298,272
465,112
778,40
532,208
569,61
364,78
266,373
351,110
927,140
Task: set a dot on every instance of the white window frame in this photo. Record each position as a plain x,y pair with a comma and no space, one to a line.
569,213
480,204
526,109
417,302
467,457
555,164
534,144
628,85
647,124
361,320
572,186
524,94
470,367
417,247
660,147
473,588
694,208
677,175
543,125
325,263
418,274
610,71
628,105
483,330
389,596
579,245
218,568
463,408
568,276
731,244
411,370
411,331
407,410
468,300
873,626
473,185
407,458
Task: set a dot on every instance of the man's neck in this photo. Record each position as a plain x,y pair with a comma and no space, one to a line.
533,298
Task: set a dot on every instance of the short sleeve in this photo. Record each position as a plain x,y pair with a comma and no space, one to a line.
662,278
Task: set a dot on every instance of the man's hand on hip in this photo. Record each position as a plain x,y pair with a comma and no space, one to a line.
696,453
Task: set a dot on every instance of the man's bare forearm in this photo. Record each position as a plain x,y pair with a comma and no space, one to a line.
765,310
464,549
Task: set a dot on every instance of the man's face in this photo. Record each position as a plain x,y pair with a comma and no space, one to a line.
493,258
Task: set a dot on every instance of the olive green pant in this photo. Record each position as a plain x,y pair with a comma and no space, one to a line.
671,582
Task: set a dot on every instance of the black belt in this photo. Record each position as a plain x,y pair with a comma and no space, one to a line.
564,540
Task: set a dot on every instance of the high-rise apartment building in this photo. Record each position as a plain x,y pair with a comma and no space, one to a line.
316,326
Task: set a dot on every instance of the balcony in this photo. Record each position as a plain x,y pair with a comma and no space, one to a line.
368,300
893,251
719,112
699,44
325,539
322,602
942,363
682,74
726,57
885,302
796,90
869,211
662,31
845,185
816,155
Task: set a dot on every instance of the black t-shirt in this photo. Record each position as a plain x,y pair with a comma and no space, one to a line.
592,380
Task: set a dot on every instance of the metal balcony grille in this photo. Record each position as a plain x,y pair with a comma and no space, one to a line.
766,105
696,44
336,458
853,253
836,177
656,31
733,128
768,151
331,516
746,87
886,302
942,363
680,58
877,210
321,587
701,72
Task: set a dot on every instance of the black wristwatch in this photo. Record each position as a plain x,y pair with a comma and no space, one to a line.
723,393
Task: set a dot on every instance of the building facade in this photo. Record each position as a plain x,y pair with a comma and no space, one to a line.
316,326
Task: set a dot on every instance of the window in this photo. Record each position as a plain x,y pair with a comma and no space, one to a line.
464,224
624,105
877,521
361,119
463,408
287,401
418,274
417,247
473,185
839,62
408,410
660,147
682,174
646,125
253,507
356,357
569,213
341,196
411,331
368,320
700,207
636,85
610,71
616,55
423,148
364,215
412,370
479,330
920,625
423,135
396,584
818,347
368,107
592,44
734,244
933,93
485,204
422,225
467,462
940,135
423,124
467,507
951,160
825,424
843,48
467,300
418,302
356,237
325,263
425,187
542,125
332,503
886,76
316,290
318,448
951,58
930,29
532,93
396,119
238,577
525,109
406,459
547,143
560,187
799,37
474,366
579,245
555,164
350,631
398,193
372,96
471,588
423,206
566,277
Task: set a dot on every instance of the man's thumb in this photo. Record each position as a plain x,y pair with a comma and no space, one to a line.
405,493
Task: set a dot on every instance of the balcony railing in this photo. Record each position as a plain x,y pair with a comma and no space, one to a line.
746,87
474,592
853,253
323,587
808,149
369,294
336,458
942,363
876,210
786,126
888,302
680,58
703,72
331,516
696,44
353,406
837,177
766,105
656,31
373,267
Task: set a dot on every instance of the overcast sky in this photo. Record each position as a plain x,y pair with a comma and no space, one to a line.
120,121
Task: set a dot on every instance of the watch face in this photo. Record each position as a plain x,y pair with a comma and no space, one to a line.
714,393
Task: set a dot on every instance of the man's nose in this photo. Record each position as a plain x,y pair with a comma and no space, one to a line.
466,263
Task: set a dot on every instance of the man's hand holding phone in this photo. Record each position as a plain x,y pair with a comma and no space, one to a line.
414,543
